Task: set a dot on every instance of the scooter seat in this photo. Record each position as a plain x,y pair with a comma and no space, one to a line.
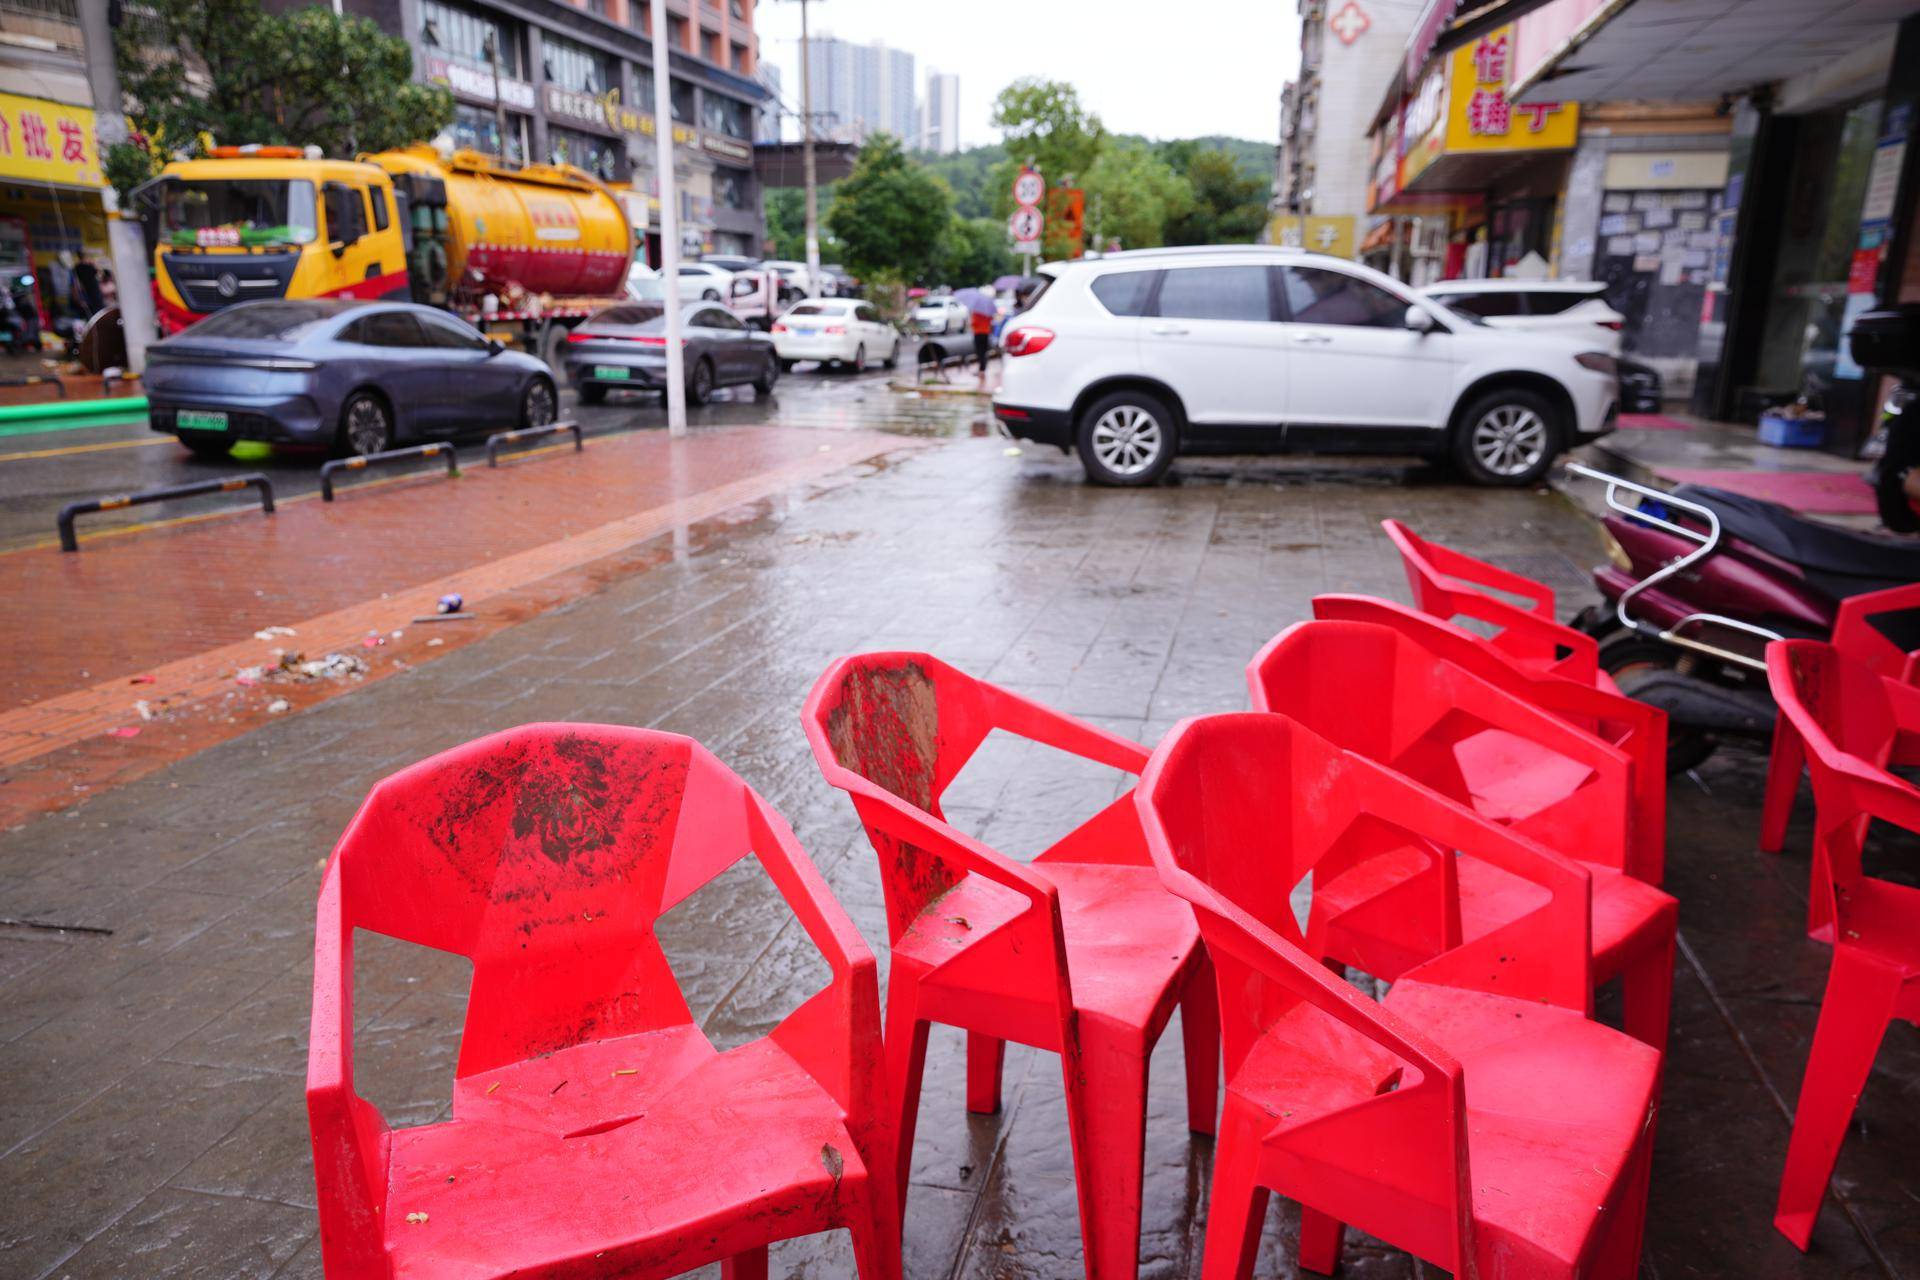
1841,562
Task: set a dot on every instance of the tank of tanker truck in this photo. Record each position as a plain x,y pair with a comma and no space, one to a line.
547,229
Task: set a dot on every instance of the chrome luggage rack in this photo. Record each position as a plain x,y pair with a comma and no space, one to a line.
1708,544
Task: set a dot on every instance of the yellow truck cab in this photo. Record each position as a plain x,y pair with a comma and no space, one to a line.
248,223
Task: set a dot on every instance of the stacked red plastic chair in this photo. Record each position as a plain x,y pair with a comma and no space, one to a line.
1449,584
1080,953
1476,1117
1374,691
595,1130
1856,635
1851,719
1636,729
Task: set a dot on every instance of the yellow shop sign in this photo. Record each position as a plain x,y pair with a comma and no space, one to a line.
42,141
1321,233
1479,116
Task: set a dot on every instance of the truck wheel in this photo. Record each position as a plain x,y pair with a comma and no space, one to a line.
1127,438
366,425
700,383
592,392
1507,438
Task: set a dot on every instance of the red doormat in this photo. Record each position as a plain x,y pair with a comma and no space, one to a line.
1651,422
1811,492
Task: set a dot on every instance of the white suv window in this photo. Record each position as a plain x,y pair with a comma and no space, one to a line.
1125,293
1215,293
1318,296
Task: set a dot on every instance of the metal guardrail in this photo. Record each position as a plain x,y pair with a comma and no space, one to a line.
501,438
362,462
255,480
36,380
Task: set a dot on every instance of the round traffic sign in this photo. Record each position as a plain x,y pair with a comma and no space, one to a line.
1025,224
1028,188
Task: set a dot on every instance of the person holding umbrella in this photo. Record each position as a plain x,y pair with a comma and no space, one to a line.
980,312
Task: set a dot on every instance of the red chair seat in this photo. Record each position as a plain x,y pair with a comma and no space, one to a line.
1622,908
635,1188
1510,778
1550,1149
1128,941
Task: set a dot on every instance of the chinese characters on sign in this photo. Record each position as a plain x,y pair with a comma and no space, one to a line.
1489,114
43,141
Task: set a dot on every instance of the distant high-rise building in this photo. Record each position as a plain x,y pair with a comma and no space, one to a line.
861,89
766,127
940,113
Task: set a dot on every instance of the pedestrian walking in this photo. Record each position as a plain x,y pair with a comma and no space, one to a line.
982,325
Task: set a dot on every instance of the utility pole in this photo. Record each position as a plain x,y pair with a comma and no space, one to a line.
127,244
669,220
806,158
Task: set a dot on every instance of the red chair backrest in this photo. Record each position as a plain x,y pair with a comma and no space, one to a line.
1450,584
544,855
1373,691
1855,634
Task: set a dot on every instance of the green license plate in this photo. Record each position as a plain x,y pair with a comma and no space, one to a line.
612,372
200,420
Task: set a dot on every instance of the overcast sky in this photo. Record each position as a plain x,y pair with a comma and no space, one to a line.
1165,70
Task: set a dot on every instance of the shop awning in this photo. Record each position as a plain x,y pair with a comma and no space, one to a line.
1696,50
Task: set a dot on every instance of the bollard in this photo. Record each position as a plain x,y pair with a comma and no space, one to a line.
68,542
361,462
500,438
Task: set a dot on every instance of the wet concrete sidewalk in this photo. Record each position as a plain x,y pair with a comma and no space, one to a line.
152,1120
1669,450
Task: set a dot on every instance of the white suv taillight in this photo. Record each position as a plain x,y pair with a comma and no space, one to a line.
1027,340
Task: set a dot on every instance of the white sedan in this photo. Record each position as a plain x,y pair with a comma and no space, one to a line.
835,331
702,281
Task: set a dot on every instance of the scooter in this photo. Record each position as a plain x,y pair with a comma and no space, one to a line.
1699,581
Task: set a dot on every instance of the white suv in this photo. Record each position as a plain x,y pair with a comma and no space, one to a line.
1134,357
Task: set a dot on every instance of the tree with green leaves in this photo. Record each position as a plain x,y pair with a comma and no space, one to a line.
1229,204
229,70
787,225
974,251
1043,121
889,214
1132,195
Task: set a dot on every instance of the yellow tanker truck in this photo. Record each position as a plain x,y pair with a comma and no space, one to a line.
529,250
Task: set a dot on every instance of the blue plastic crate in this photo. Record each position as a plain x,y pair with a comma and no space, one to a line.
1793,433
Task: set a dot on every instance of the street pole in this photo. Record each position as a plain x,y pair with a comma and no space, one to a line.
124,240
669,220
806,158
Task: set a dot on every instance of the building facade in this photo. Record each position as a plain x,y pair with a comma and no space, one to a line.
1741,176
53,227
861,89
573,83
1348,48
940,113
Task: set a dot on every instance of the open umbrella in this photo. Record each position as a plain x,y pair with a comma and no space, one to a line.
978,301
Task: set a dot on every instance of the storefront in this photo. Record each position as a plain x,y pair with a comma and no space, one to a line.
54,259
1457,149
1798,225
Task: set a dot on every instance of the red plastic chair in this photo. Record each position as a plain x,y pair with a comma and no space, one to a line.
1079,953
1373,691
1850,718
1476,1117
595,1130
1636,729
1449,585
1854,635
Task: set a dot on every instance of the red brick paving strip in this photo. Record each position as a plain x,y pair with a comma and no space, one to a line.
368,563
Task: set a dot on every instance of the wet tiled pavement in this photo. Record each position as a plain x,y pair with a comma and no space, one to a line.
151,1112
